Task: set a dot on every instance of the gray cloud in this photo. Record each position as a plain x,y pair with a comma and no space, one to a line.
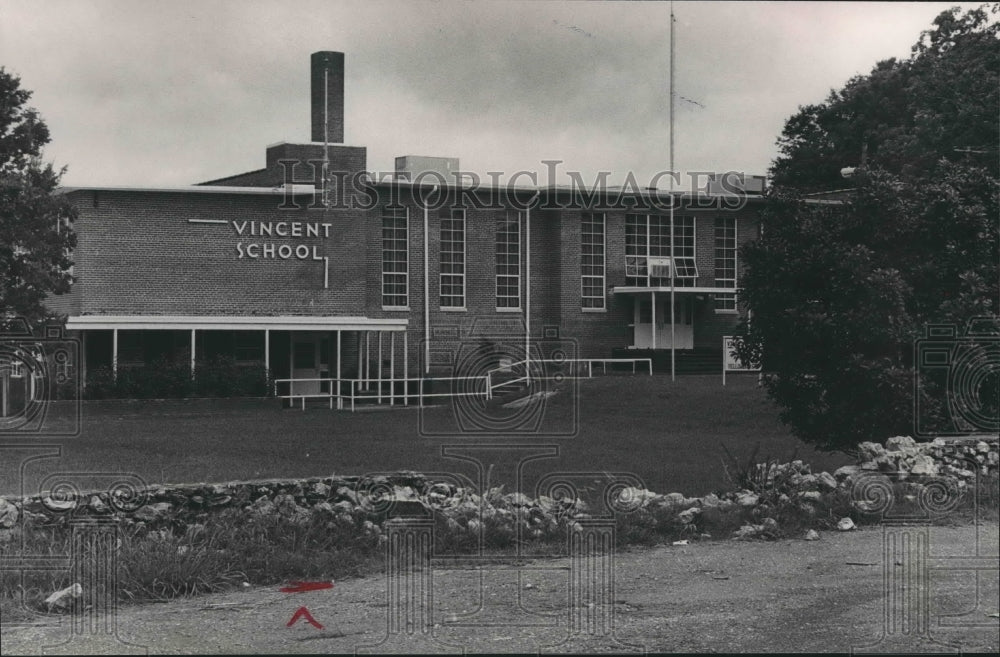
153,93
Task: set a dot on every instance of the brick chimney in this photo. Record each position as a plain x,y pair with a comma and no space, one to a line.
328,96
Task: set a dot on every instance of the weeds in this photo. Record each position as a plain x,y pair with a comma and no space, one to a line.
751,474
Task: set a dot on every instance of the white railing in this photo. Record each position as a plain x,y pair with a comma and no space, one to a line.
374,388
588,361
303,395
338,389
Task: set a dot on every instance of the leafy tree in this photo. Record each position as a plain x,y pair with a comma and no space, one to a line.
841,290
36,233
905,115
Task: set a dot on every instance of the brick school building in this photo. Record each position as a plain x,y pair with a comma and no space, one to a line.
319,270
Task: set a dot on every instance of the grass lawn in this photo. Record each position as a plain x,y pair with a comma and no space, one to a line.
666,433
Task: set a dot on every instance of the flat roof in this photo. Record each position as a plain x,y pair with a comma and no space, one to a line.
232,323
195,189
616,191
637,289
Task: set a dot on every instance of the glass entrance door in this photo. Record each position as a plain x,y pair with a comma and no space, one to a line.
683,322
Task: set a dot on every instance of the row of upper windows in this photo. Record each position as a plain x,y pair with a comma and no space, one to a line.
654,257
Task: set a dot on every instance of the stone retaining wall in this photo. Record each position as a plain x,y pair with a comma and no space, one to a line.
366,502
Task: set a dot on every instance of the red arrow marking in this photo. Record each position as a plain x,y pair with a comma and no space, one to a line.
302,587
302,612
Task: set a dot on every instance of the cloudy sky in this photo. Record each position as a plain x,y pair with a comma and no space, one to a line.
172,93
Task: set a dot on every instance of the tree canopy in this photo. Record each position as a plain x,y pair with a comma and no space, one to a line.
36,234
904,116
841,290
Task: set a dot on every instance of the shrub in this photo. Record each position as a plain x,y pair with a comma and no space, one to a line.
216,377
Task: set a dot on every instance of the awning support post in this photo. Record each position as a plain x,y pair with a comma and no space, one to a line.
83,360
653,318
114,353
267,351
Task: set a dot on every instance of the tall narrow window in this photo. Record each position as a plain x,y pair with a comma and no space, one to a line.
685,270
395,258
509,260
725,262
592,260
453,259
635,249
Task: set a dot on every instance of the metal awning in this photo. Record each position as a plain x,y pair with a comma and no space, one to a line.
639,289
232,323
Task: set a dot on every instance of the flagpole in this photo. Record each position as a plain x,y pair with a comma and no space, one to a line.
673,340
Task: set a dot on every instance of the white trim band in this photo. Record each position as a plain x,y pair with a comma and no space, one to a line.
245,323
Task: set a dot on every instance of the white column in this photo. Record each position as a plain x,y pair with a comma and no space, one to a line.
114,352
360,373
368,359
392,368
83,359
267,351
378,367
406,382
653,318
192,353
338,369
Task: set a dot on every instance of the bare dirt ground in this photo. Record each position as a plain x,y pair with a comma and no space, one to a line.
725,596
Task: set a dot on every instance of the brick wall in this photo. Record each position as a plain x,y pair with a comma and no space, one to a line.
138,254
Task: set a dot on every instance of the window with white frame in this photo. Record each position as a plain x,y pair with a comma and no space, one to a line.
508,249
395,258
648,260
592,260
635,248
725,262
453,259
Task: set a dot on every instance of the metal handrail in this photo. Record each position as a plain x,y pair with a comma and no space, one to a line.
589,361
355,391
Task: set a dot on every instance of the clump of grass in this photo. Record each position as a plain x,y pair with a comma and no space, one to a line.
22,593
752,473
